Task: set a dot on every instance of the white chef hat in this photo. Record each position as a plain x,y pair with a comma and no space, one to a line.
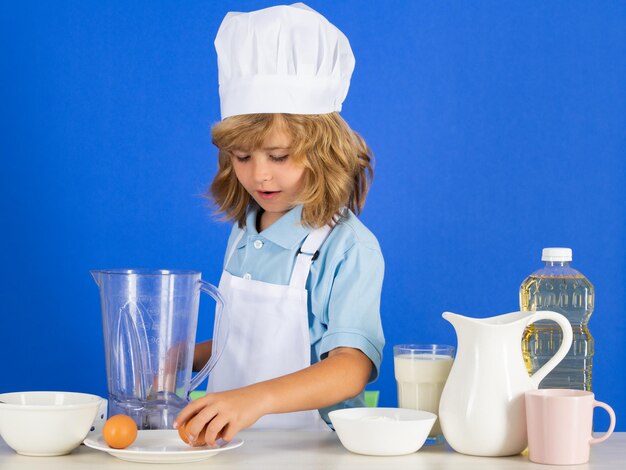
282,59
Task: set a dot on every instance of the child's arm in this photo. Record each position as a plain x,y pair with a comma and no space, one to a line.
342,375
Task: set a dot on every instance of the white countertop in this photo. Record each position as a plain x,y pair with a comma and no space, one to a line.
311,450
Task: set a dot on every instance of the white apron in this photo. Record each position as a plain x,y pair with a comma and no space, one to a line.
268,333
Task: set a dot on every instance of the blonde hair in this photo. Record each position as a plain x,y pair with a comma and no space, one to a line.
338,163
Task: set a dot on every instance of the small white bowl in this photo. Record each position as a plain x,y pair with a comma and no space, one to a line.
382,431
46,423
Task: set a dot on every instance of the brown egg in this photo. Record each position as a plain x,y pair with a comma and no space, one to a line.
119,431
184,435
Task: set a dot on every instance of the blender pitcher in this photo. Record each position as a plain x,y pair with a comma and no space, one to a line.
149,320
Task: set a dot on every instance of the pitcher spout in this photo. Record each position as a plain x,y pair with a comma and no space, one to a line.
455,319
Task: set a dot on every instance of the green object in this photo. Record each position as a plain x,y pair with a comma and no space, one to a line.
371,398
196,394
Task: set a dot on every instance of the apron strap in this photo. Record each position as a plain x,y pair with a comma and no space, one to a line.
234,247
308,253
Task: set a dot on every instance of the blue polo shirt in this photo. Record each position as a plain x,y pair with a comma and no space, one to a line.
344,284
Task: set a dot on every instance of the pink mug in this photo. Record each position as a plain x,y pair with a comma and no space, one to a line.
559,425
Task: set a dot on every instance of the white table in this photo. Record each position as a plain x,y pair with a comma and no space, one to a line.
310,450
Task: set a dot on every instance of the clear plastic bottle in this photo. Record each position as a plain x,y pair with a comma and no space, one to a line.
560,288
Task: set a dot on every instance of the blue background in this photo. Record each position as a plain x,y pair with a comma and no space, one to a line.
499,128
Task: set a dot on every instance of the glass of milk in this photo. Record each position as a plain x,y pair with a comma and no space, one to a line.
421,371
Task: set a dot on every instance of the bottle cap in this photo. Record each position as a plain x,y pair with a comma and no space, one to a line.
556,254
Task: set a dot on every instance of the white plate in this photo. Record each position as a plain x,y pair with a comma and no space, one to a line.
160,446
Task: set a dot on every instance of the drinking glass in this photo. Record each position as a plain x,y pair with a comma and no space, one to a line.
421,371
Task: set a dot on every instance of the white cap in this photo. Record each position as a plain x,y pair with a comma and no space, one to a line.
282,59
556,254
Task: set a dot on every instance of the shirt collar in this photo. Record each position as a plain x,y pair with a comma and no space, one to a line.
287,231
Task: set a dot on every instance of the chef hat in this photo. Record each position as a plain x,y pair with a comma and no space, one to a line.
282,59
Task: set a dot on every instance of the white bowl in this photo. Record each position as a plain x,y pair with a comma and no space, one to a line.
46,423
382,431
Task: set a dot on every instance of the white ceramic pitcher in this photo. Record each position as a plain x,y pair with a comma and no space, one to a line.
482,409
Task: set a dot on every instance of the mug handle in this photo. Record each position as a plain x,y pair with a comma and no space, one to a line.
218,345
565,325
605,436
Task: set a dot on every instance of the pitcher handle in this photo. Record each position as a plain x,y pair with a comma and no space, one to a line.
565,325
217,346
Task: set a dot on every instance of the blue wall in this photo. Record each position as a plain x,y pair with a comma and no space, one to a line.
499,128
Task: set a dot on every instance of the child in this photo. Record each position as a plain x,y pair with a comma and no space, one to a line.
302,275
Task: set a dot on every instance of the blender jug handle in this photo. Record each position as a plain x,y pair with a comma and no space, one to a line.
218,342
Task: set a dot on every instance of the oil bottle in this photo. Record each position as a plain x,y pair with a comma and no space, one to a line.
560,288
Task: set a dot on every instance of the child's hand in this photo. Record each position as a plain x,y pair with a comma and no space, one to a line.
342,375
223,414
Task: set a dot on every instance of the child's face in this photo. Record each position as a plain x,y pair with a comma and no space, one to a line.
270,174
